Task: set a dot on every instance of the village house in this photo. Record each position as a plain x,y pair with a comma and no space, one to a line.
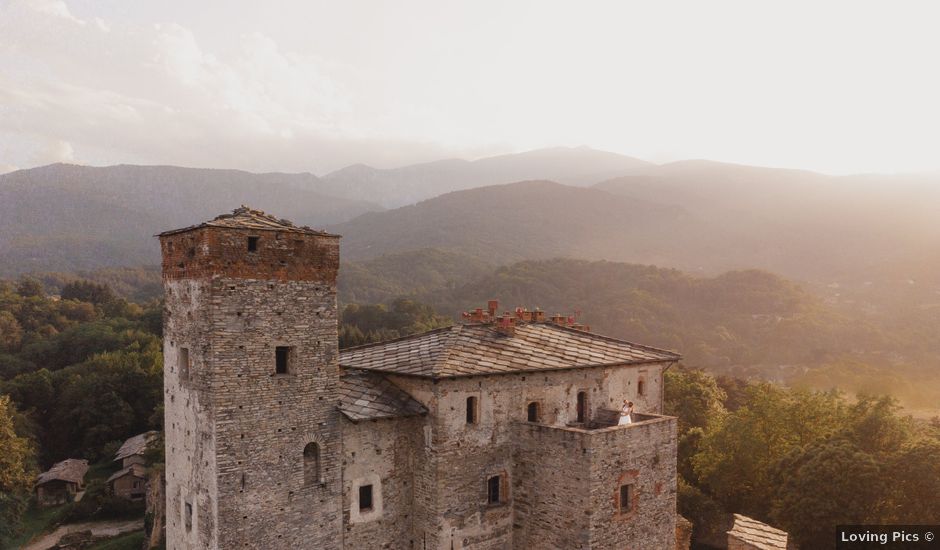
62,482
130,482
502,432
134,449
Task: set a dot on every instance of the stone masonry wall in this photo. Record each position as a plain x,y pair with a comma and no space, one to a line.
552,496
380,453
236,430
188,417
451,510
645,455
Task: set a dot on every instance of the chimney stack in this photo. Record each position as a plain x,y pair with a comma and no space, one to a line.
506,325
492,306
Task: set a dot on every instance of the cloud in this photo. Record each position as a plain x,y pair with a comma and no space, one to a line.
155,94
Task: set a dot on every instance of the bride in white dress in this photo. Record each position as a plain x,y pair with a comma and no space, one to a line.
626,413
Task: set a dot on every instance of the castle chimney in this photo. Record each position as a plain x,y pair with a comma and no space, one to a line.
492,306
506,325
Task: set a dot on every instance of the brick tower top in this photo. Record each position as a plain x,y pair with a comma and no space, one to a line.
249,244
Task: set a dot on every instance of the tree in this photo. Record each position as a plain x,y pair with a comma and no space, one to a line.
877,427
11,333
740,449
87,291
692,395
17,470
829,483
915,474
28,287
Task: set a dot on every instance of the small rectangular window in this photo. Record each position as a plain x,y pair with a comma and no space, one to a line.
582,406
471,410
532,412
184,363
281,359
492,490
253,244
626,498
365,498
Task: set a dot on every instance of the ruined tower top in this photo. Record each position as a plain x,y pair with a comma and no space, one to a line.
249,244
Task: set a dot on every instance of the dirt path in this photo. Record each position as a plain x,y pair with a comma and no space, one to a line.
98,528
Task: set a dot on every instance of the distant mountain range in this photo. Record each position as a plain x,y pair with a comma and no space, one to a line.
579,166
66,217
532,219
700,216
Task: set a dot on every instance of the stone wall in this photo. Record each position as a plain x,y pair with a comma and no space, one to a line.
380,453
552,488
236,430
189,420
451,509
155,515
643,454
569,482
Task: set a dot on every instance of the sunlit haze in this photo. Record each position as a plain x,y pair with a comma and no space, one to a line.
838,87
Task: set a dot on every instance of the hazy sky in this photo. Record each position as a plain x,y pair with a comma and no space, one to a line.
314,85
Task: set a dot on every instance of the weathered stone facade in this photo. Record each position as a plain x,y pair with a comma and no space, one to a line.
310,458
235,427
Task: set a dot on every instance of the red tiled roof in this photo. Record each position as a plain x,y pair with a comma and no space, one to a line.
477,349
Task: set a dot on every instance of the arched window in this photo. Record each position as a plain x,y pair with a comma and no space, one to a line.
641,387
471,410
532,412
311,464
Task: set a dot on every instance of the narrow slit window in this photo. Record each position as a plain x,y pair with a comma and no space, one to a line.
189,517
493,490
532,412
582,406
253,244
626,498
641,387
184,363
365,498
471,410
281,359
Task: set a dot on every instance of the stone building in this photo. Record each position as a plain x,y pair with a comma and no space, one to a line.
134,449
497,433
129,482
62,482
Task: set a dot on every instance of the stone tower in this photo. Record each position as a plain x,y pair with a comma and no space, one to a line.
253,444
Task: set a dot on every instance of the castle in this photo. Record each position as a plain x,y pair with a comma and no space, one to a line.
497,433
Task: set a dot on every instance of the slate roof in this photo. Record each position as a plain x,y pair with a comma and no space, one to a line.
248,218
136,445
370,396
137,470
476,349
71,470
757,534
